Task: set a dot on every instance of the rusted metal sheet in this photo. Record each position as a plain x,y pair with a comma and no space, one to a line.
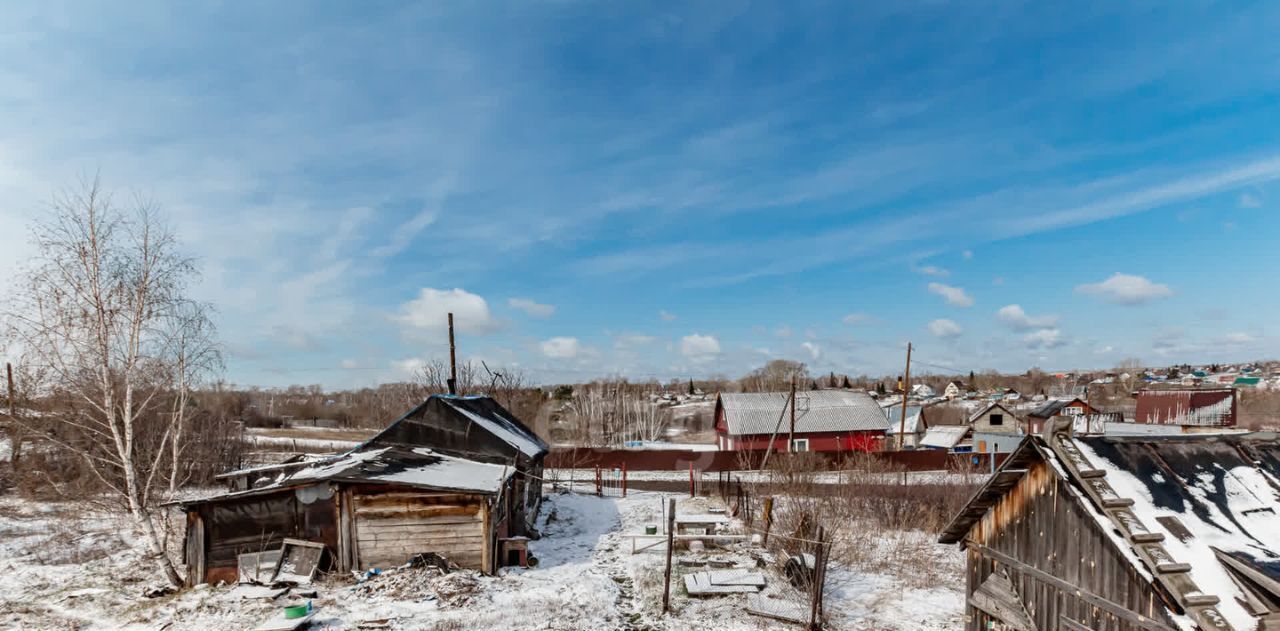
1202,408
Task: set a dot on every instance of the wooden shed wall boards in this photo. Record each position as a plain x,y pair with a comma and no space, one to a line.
372,507
1154,533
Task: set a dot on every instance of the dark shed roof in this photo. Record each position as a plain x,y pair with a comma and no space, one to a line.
474,427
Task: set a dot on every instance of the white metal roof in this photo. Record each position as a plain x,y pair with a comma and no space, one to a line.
944,436
816,411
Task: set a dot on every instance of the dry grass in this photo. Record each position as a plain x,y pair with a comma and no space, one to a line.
878,519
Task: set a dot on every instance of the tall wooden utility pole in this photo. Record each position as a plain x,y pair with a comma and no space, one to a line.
453,360
791,438
906,389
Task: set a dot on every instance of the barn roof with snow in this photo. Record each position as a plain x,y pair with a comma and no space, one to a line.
474,427
415,467
747,413
1195,516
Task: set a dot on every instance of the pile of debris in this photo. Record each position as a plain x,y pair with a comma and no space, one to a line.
454,589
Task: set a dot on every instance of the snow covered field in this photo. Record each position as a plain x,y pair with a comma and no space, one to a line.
60,570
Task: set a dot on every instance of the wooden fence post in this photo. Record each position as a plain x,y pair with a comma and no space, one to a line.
692,492
624,478
819,563
768,517
671,540
599,481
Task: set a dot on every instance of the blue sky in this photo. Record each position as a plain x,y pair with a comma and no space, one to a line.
673,190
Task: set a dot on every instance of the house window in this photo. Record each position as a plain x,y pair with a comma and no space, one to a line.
800,444
997,419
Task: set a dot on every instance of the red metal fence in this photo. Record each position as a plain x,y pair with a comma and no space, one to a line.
715,461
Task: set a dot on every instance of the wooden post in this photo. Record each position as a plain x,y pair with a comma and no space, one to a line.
791,437
599,480
819,561
906,389
624,478
768,518
671,541
453,360
692,490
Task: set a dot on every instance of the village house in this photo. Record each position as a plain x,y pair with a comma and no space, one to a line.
1088,418
825,421
954,389
456,476
1110,533
1197,407
905,433
995,418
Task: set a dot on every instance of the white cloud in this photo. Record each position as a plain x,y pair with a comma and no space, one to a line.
666,316
1019,320
1239,338
1104,350
561,347
430,311
699,347
1126,289
533,308
815,351
933,270
408,367
967,254
954,296
856,318
945,328
1044,338
1249,201
783,331
405,234
632,340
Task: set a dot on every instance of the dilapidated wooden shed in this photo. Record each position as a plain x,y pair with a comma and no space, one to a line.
477,428
372,507
1098,532
455,476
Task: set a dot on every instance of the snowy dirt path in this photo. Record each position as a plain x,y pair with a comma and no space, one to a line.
64,570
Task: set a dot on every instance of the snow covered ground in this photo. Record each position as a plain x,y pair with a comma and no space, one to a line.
68,569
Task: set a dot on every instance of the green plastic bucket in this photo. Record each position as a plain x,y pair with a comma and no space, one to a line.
295,611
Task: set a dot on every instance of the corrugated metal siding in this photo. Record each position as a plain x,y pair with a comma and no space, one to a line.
1214,408
816,411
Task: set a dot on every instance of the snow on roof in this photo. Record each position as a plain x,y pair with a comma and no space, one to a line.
894,412
816,411
502,427
417,467
944,436
1214,492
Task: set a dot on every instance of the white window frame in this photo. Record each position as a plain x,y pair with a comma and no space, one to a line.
799,445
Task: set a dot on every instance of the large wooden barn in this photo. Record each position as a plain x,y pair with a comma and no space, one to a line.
1156,533
825,421
455,476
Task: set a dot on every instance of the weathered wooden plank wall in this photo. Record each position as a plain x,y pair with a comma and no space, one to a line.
1040,524
392,526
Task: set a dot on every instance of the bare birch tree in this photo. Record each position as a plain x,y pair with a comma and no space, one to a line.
97,311
194,355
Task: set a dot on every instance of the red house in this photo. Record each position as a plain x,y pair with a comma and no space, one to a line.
825,420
